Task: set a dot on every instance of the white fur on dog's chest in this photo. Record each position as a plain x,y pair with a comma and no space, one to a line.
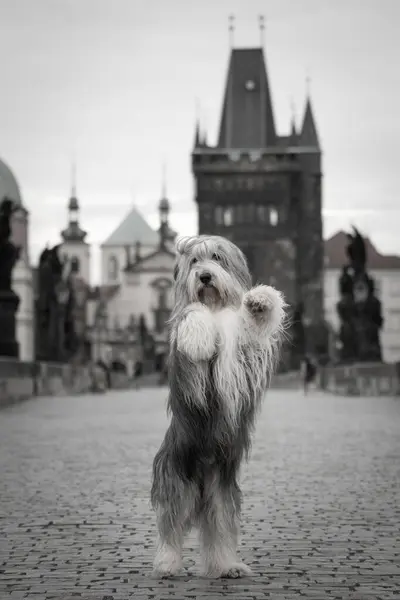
228,324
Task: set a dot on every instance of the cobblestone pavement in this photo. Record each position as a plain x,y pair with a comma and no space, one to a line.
321,500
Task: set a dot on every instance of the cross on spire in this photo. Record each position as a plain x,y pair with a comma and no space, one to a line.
261,24
231,21
164,180
73,178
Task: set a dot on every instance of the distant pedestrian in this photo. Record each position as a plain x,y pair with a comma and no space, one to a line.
309,372
138,372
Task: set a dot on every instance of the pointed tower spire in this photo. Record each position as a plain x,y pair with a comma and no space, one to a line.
164,180
247,86
204,138
163,209
73,232
309,134
73,178
293,129
197,142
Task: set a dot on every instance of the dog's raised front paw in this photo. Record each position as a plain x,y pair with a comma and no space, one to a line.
262,298
197,334
266,303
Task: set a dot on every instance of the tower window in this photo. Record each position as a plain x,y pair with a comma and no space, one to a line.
219,217
239,216
75,265
249,213
262,213
228,216
113,268
273,217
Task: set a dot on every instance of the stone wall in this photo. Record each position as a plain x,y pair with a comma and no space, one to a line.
372,379
16,381
22,380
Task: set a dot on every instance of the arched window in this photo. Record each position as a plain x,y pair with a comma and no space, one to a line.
75,264
112,268
218,215
228,216
273,217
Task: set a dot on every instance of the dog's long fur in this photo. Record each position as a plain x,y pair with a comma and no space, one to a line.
224,346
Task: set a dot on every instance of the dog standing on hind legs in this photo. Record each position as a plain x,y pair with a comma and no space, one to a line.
224,345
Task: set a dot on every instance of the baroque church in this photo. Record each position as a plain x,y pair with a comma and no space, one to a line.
126,315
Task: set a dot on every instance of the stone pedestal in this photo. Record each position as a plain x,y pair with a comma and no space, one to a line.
9,302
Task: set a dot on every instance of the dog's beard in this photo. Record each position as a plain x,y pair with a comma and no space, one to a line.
209,296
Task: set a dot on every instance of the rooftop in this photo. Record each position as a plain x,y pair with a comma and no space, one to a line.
134,228
335,254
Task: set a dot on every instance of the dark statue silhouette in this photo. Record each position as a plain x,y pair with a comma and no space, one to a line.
359,309
9,301
55,335
8,252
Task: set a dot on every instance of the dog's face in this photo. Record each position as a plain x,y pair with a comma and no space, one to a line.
211,270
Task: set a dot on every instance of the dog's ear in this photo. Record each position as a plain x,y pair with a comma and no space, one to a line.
176,271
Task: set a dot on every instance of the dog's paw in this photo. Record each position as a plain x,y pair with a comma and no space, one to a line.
236,570
262,298
266,303
197,334
167,563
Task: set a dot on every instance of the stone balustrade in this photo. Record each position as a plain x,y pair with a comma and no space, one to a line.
22,380
364,379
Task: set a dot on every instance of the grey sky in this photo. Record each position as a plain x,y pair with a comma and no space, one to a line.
115,82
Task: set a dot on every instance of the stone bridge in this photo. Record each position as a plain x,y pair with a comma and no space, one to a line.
321,500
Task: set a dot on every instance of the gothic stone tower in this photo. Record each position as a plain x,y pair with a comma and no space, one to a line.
263,190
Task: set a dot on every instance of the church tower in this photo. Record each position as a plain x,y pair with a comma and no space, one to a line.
262,190
74,247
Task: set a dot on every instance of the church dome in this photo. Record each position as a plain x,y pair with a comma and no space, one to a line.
8,184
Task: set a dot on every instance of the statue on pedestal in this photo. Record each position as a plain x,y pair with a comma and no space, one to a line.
359,309
55,335
9,300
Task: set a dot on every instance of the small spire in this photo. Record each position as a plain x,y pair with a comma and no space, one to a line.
231,21
309,134
261,24
204,138
164,180
308,85
293,130
73,178
197,141
197,135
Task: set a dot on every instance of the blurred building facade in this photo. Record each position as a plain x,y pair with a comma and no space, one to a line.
22,273
385,270
261,189
125,317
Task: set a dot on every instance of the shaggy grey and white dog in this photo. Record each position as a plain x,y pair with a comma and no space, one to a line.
224,341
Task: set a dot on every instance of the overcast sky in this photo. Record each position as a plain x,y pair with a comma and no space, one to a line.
115,83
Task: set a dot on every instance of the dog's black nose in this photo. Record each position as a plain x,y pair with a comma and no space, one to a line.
205,278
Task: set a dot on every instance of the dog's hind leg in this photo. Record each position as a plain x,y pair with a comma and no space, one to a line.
174,519
219,529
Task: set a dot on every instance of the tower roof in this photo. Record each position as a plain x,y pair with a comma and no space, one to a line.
309,135
247,119
132,229
73,233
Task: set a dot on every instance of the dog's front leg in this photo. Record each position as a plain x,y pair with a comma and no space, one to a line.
197,333
266,308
